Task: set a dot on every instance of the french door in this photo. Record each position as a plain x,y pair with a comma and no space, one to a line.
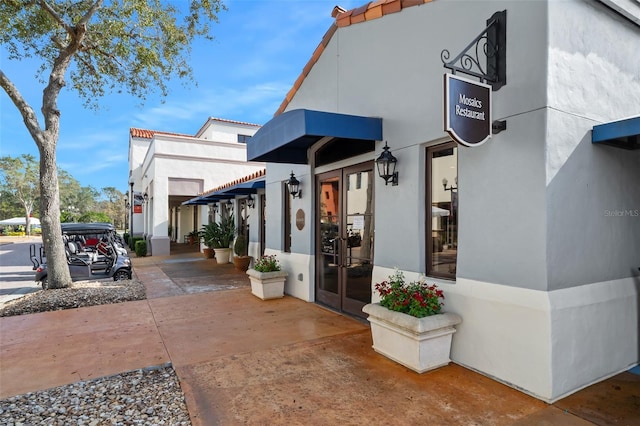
344,238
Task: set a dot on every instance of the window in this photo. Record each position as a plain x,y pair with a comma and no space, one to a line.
442,210
286,208
243,138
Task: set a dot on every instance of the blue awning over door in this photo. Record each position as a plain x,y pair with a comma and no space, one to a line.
287,137
622,134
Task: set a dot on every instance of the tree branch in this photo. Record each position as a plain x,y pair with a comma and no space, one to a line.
28,114
87,16
43,4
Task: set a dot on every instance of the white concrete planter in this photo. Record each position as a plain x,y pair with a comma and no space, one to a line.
420,344
267,285
222,255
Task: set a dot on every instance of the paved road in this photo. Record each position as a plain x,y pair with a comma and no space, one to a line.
16,270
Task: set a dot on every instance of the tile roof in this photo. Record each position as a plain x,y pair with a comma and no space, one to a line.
367,12
222,120
149,134
252,176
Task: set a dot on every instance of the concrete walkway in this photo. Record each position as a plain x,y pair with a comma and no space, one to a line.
241,360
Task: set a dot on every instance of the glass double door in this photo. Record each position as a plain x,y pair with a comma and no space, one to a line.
344,238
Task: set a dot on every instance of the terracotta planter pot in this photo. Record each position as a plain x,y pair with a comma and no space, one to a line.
242,262
208,252
267,285
420,344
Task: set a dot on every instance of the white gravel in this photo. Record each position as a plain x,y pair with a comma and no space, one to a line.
142,397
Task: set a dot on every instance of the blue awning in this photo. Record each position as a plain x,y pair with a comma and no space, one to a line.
622,134
287,137
244,188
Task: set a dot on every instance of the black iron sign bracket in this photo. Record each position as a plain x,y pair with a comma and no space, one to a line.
490,44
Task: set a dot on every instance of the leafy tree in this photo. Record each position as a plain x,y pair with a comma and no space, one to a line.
20,180
103,46
113,205
94,217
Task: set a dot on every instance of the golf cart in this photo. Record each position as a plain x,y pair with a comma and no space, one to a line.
94,251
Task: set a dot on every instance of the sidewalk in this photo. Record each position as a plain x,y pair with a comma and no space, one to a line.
241,360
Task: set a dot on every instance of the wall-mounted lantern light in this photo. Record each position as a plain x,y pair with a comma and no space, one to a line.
251,202
230,206
293,185
214,208
387,166
146,197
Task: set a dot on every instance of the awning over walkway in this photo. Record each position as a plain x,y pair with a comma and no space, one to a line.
287,137
243,188
622,134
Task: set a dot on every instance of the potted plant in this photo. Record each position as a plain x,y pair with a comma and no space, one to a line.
408,326
222,235
193,237
208,234
241,260
267,278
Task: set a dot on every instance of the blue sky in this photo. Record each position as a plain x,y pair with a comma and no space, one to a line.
259,50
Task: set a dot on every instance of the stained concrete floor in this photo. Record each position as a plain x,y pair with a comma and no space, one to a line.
241,360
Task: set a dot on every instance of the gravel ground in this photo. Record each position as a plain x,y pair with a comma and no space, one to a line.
81,293
143,397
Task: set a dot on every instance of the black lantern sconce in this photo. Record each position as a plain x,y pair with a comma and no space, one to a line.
450,188
251,202
230,206
214,208
293,185
386,164
146,197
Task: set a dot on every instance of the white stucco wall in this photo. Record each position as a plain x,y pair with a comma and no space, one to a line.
213,163
524,236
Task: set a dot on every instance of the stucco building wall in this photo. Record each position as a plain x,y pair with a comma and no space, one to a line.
544,276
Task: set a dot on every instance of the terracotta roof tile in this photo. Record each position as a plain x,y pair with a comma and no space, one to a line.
149,134
252,176
367,12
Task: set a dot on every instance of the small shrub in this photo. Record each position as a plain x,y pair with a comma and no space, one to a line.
125,238
417,298
267,264
141,248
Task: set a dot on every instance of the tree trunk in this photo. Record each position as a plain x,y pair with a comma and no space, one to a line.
57,268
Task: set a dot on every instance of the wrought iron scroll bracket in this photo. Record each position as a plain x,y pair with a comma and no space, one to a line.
490,44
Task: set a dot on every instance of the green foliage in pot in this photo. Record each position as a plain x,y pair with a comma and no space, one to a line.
218,234
267,264
209,234
240,246
417,298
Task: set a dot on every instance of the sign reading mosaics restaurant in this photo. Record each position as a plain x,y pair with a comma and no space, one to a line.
467,110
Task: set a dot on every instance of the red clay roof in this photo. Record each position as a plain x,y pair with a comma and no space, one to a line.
222,120
367,12
252,176
148,134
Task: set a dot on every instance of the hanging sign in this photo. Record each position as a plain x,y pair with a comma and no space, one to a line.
137,202
467,110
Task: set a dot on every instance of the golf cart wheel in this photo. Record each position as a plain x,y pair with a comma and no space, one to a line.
44,282
121,275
